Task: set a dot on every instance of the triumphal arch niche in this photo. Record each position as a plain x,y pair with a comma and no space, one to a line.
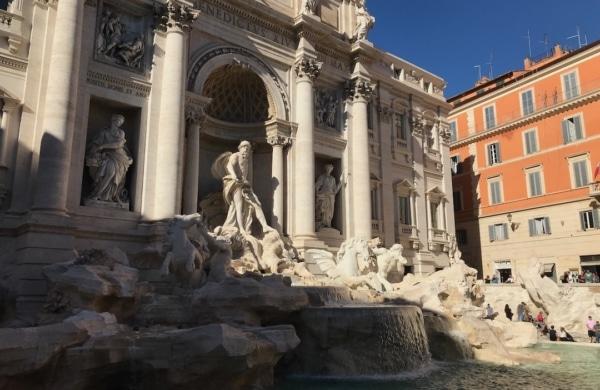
128,112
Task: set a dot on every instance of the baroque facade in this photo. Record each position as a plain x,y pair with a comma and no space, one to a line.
525,152
114,112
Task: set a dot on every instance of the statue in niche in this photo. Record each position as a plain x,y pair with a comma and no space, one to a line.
309,7
332,111
326,189
244,206
326,105
364,21
108,160
112,42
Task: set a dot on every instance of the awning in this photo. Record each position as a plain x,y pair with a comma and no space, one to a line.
503,265
549,268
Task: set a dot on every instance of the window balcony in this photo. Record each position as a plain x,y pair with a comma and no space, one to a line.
595,190
12,29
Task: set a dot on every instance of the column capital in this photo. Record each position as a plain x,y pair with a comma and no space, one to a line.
176,16
195,115
10,105
52,3
279,140
359,88
308,68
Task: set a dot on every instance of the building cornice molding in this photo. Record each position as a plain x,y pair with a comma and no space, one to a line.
13,63
551,111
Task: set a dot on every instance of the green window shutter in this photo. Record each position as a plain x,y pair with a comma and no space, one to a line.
547,223
492,233
565,132
531,227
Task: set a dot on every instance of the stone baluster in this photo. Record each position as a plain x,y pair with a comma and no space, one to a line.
307,70
195,119
277,167
56,138
175,22
361,91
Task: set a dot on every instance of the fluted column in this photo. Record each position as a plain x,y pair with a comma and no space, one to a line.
175,23
57,135
277,179
195,119
307,70
361,91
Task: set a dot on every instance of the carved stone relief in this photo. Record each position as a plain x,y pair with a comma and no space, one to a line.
309,7
326,108
122,37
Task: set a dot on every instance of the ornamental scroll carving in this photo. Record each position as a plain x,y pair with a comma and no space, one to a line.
309,7
176,16
121,37
359,88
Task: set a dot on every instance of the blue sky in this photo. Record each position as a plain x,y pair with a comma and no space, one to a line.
450,37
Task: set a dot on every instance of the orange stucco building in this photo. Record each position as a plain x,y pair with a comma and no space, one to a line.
525,148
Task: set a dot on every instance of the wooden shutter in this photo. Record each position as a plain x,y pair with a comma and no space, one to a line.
565,131
547,223
492,233
498,152
505,227
596,216
532,227
582,219
490,155
578,127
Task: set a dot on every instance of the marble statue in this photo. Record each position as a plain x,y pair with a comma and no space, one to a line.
326,189
326,105
309,7
244,206
364,21
388,261
108,160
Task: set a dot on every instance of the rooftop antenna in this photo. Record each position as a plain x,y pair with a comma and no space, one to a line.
478,67
528,36
578,36
491,64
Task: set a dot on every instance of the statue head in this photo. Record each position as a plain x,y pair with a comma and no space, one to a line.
117,120
328,169
244,148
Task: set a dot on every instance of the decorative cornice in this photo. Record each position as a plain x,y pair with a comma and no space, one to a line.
566,106
129,86
308,68
176,16
13,63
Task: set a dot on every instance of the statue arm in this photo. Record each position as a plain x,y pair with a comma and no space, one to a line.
231,168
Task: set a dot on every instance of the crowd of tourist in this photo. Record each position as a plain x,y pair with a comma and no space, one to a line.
584,277
525,315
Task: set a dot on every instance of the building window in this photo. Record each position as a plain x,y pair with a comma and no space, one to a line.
493,151
590,219
539,226
572,129
401,127
495,188
434,214
404,210
461,237
490,117
455,165
579,171
571,86
530,144
457,198
534,182
527,102
498,232
374,203
453,132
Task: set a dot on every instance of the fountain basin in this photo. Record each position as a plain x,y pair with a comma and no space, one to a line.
350,341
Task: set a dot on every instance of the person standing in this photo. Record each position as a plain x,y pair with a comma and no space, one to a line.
552,334
591,324
489,312
508,312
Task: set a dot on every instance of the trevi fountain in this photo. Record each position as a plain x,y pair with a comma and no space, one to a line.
240,195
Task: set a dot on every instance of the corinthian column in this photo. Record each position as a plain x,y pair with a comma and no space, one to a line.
195,118
175,23
361,92
277,168
307,70
59,110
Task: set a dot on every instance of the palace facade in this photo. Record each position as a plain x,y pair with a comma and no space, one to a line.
113,113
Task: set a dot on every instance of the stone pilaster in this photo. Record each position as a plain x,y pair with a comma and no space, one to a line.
195,119
175,21
307,70
360,90
277,167
7,137
59,111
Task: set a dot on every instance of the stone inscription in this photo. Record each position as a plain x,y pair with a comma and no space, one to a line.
123,86
243,23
